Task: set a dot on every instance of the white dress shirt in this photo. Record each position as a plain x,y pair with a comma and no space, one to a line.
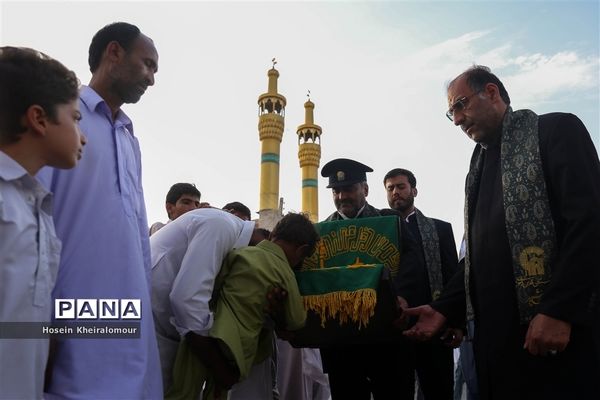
29,255
186,257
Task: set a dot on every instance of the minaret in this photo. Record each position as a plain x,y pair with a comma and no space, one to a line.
271,114
309,154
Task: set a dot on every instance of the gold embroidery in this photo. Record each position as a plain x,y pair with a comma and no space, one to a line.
359,264
355,238
532,260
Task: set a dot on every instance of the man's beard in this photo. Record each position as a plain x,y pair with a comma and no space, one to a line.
347,208
129,93
403,205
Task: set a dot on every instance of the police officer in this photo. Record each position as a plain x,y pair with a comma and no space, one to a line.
383,370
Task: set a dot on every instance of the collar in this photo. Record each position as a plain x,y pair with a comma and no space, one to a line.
245,234
414,211
272,248
96,103
357,214
10,169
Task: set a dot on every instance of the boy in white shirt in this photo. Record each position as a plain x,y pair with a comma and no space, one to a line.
39,114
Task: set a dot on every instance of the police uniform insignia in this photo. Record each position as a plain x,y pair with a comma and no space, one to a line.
345,172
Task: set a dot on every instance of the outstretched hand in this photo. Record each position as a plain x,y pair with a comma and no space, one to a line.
429,322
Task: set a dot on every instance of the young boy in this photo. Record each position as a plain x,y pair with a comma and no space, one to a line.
238,337
181,198
39,114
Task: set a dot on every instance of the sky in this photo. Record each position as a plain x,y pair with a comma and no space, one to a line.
376,71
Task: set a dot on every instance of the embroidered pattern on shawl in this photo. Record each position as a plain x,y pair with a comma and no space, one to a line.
431,249
529,224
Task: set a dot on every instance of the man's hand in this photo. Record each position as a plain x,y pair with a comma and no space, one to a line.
547,335
452,337
275,306
429,323
401,319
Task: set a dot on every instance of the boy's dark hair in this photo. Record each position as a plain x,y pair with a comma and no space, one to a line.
401,171
179,189
296,228
239,207
120,32
28,77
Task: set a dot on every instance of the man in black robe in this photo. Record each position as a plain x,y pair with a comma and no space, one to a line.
434,360
382,370
534,339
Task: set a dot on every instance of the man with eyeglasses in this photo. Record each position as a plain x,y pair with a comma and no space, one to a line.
532,221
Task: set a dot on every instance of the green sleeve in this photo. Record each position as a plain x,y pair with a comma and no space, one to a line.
295,314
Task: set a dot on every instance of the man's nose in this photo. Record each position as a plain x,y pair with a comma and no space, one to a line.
150,78
341,195
458,118
82,137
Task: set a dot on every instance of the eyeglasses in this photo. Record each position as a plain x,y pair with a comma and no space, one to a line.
459,105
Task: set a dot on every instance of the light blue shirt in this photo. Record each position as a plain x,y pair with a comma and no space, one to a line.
29,253
100,217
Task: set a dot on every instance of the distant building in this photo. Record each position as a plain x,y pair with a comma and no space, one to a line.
271,122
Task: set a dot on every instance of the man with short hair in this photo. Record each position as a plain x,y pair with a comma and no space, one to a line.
101,220
239,338
434,361
532,221
377,369
238,209
186,258
181,198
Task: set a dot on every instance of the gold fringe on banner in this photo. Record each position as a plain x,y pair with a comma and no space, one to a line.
358,306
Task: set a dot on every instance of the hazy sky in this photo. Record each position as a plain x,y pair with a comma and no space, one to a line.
376,71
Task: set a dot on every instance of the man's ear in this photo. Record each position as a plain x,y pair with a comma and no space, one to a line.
36,120
114,51
415,192
492,91
366,186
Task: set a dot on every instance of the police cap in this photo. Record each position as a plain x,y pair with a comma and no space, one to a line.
344,172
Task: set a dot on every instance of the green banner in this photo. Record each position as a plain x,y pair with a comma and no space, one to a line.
341,279
357,241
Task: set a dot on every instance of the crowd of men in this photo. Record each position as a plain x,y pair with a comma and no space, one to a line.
213,287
